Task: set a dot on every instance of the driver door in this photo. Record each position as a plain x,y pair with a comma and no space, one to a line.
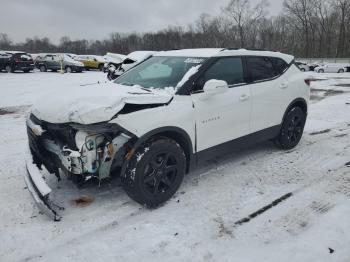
224,116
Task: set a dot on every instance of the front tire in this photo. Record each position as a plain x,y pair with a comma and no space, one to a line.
341,71
320,71
292,129
155,172
68,69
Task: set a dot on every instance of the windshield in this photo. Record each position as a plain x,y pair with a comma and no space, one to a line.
160,72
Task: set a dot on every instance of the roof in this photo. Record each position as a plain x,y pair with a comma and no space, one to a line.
198,52
245,52
220,52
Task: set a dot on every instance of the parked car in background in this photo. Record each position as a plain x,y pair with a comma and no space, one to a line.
12,61
91,61
313,65
4,61
302,66
131,60
331,68
55,62
112,59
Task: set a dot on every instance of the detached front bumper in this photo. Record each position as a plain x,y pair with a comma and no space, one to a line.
40,190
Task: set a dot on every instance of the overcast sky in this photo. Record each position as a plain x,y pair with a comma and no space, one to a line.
96,19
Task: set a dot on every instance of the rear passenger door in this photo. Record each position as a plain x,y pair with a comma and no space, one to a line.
269,90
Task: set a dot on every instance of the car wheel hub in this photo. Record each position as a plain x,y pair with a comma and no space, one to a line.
160,174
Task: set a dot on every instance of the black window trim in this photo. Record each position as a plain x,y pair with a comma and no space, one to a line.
267,79
187,88
212,62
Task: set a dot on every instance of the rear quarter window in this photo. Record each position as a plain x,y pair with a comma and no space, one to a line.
280,65
260,68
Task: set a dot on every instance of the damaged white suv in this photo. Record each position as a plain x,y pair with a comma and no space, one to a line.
161,119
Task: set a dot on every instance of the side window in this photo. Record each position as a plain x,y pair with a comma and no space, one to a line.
280,65
260,68
229,69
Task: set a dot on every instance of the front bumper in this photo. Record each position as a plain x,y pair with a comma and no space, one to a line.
40,191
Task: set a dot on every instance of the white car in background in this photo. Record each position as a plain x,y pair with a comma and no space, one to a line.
112,59
131,60
331,68
303,66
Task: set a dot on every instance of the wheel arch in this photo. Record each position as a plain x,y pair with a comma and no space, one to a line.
300,102
175,133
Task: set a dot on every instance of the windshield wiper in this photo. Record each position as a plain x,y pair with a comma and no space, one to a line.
146,89
126,84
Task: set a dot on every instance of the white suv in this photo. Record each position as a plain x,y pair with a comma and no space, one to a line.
162,118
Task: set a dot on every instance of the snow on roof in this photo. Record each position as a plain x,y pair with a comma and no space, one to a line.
116,58
197,52
245,52
219,52
140,55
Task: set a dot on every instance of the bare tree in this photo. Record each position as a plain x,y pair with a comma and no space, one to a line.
302,10
5,42
243,15
343,7
305,28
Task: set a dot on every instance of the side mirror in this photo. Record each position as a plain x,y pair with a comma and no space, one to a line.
214,86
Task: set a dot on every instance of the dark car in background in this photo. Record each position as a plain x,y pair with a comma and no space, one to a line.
55,62
12,61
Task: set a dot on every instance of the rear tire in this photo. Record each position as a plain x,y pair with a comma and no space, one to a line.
42,68
341,71
302,69
155,172
8,69
100,67
292,129
320,71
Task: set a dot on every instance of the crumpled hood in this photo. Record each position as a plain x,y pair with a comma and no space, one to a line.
93,103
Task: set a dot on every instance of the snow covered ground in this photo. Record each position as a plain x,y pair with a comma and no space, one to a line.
200,222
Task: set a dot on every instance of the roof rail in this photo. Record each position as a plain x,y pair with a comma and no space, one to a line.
250,49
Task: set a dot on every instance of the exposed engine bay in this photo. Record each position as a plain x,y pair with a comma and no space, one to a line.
83,151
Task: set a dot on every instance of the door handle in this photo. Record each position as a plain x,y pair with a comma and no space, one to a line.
283,86
244,97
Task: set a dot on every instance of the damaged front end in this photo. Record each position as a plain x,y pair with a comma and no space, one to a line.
80,151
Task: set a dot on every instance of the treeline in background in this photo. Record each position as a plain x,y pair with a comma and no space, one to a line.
305,28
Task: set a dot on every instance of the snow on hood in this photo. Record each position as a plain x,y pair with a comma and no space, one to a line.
93,103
